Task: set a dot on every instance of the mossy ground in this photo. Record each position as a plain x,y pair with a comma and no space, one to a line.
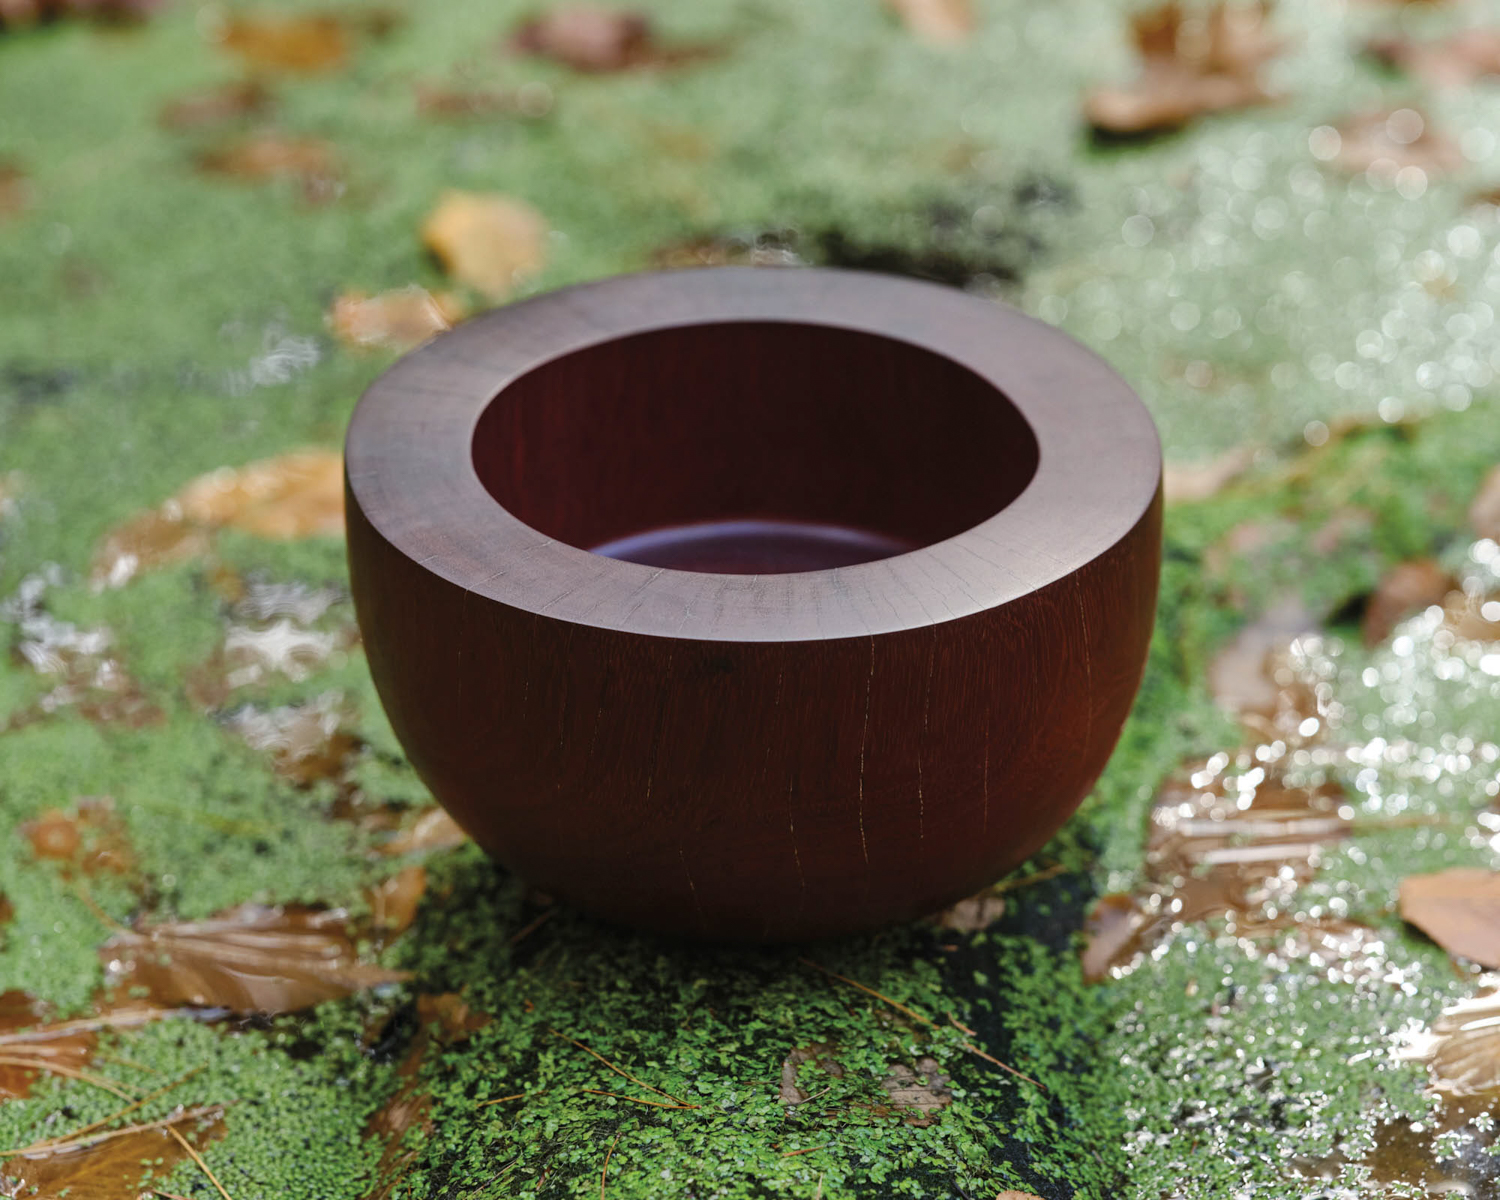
139,296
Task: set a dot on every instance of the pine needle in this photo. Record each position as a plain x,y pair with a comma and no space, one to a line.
990,1058
604,1174
808,1150
521,934
52,1068
1010,885
83,1143
501,1100
896,1004
198,1158
57,1142
632,1099
618,1070
122,1019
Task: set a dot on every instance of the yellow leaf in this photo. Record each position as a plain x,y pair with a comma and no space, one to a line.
487,241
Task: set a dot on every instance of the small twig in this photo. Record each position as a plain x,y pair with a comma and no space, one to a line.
52,1068
61,1147
896,1004
810,1099
990,1058
960,1026
501,1100
808,1150
114,1116
522,934
1010,885
121,1019
198,1158
617,1070
604,1174
634,1099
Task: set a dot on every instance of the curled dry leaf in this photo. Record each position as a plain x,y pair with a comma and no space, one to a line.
1406,588
1242,675
395,901
820,1054
942,22
217,105
1484,512
489,242
111,1168
1450,62
923,1088
395,320
976,913
26,1033
92,837
267,156
1189,67
433,830
247,960
1462,1049
295,495
1386,143
1185,482
305,44
1458,909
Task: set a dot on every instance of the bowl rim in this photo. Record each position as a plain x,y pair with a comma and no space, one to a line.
409,460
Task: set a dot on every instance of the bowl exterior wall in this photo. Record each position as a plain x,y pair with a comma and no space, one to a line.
759,791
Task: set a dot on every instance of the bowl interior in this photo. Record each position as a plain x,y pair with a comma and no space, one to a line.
753,448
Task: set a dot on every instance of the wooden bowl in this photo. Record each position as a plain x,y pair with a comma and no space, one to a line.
884,571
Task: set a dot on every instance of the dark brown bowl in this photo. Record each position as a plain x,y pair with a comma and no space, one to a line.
895,567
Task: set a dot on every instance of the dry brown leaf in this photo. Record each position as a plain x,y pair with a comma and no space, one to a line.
1459,909
820,1054
923,1089
399,319
591,37
1189,67
92,837
1406,588
973,914
17,14
26,1033
1462,1050
217,105
1240,675
1387,142
303,44
266,156
1451,62
1476,618
1111,931
307,742
433,830
450,1013
395,901
1185,482
487,241
942,22
113,1169
1484,512
14,194
249,959
296,495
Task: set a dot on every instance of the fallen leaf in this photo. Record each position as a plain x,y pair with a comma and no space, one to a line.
1450,62
303,44
451,1014
923,1088
1484,511
217,105
1476,618
111,1169
433,830
588,37
1111,934
1189,67
27,1033
942,22
1406,588
293,496
307,742
92,837
486,241
1186,482
1459,909
267,156
820,1054
409,1107
249,959
1241,676
16,14
14,194
397,320
7,910
1462,1049
1385,143
395,901
975,913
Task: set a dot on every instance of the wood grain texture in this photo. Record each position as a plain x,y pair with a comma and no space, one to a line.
756,757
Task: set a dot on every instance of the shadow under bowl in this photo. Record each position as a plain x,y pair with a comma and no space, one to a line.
755,604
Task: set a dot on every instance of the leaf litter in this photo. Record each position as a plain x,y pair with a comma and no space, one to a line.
596,39
486,241
1459,909
399,319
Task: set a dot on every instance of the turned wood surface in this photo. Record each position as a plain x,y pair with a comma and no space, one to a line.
772,756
